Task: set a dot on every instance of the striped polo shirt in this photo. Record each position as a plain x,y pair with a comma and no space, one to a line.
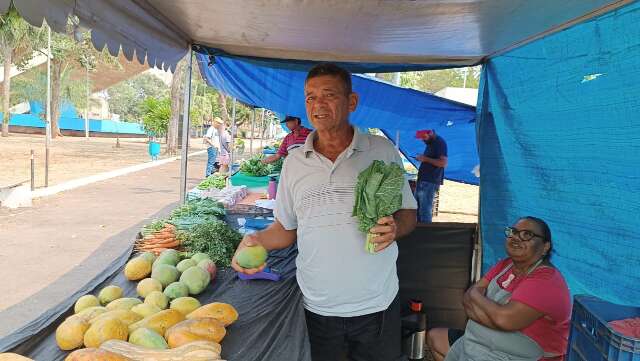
292,141
316,198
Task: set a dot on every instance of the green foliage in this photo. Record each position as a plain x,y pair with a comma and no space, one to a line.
20,37
213,181
216,239
155,115
277,165
125,97
378,194
254,167
434,80
33,86
195,212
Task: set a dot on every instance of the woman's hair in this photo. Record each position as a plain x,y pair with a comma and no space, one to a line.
546,233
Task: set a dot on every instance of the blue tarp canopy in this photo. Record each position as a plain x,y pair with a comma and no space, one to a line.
394,110
559,138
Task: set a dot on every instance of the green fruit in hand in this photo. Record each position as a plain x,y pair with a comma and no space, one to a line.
251,257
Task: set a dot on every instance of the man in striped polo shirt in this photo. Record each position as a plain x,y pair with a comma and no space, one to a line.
350,295
294,139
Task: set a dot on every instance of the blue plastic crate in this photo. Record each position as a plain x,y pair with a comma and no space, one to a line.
591,337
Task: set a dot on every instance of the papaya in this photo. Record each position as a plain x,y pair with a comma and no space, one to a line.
147,286
123,303
145,309
88,313
169,257
201,329
95,354
209,266
223,312
126,316
109,294
175,290
198,257
85,301
70,333
106,329
148,338
157,299
149,256
185,305
137,269
158,322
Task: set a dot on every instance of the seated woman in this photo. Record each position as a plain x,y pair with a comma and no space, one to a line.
520,310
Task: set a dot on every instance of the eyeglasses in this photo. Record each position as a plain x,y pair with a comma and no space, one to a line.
523,234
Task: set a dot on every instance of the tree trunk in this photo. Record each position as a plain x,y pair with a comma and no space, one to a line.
223,107
172,131
6,91
56,95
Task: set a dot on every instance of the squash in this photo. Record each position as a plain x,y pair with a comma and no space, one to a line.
194,351
8,356
95,354
223,312
200,329
158,322
70,333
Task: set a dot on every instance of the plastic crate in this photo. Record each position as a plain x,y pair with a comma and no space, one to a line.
591,337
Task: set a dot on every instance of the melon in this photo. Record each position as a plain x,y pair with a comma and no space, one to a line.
198,257
175,290
209,266
148,338
165,273
184,264
157,299
196,279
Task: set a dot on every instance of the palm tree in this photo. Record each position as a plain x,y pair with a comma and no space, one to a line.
18,40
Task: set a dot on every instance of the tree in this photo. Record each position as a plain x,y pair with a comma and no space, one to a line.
125,97
155,116
18,40
434,80
176,92
67,55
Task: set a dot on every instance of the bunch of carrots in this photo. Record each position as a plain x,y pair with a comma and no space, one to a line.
158,241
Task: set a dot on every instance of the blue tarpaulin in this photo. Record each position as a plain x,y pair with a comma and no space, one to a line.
390,108
559,138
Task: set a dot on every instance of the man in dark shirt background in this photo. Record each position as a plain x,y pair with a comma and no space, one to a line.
430,173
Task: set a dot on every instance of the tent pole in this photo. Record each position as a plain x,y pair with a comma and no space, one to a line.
186,109
48,119
233,133
262,131
253,126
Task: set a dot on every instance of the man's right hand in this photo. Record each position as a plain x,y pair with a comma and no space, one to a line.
248,241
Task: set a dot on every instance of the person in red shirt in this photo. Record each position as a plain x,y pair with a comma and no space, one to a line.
294,139
520,310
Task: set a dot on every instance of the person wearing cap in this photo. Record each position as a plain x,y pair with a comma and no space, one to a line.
294,139
431,172
213,145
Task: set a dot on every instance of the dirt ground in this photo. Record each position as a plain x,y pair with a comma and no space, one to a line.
69,157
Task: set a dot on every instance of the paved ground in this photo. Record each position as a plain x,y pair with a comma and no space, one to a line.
42,243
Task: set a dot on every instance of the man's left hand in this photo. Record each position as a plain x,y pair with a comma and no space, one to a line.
386,233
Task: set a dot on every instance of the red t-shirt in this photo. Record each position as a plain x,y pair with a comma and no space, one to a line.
293,140
545,290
